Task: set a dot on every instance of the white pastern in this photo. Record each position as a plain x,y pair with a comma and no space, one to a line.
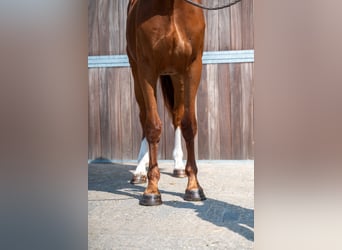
142,158
177,151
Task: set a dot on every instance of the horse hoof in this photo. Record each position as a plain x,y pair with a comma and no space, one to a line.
180,173
138,179
194,195
150,200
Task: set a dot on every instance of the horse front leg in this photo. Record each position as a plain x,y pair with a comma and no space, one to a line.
151,196
152,131
194,191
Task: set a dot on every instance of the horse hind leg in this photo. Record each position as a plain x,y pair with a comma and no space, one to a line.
140,173
179,167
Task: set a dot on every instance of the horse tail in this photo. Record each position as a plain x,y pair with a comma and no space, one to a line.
168,92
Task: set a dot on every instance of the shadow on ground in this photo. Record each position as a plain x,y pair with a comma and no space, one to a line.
114,178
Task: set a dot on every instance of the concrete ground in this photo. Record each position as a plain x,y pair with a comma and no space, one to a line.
224,221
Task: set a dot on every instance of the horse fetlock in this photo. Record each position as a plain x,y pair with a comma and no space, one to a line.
191,170
153,173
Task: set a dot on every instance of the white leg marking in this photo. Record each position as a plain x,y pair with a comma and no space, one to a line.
142,158
177,151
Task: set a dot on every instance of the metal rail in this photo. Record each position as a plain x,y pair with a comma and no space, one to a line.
209,57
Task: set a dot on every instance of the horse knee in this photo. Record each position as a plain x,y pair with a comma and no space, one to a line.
153,131
189,128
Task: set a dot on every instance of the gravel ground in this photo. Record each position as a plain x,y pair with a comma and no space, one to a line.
224,221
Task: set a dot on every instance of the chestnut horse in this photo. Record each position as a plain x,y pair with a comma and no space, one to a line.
165,40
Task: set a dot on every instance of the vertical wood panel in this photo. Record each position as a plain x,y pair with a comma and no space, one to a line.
114,27
94,115
247,24
104,116
235,27
235,88
246,98
125,110
202,116
122,22
115,112
224,109
93,29
103,13
224,29
211,32
247,109
213,112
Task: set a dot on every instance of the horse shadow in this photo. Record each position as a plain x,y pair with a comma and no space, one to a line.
114,178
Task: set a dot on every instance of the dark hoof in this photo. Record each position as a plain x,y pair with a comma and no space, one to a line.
150,200
138,179
180,173
194,195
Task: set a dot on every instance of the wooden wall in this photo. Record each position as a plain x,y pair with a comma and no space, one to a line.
224,100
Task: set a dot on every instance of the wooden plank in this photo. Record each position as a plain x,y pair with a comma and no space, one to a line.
202,117
94,140
251,146
213,112
93,29
235,88
103,13
105,131
205,13
235,27
115,112
224,109
125,113
224,29
122,24
247,24
212,35
247,110
113,27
